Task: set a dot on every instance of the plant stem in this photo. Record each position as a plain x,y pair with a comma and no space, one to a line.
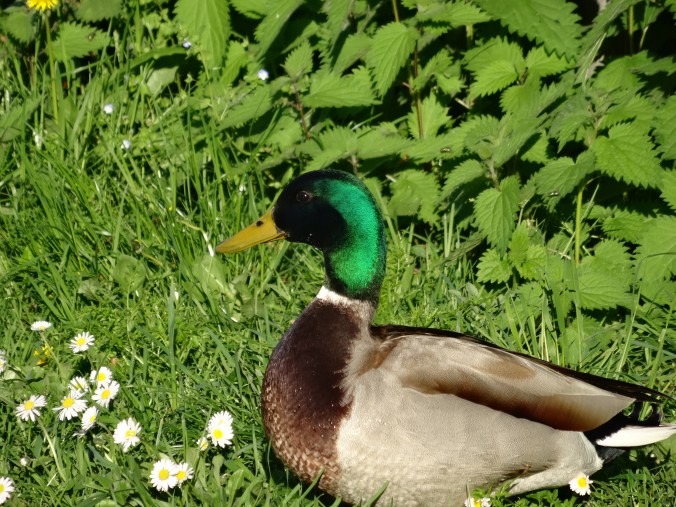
52,69
50,443
578,225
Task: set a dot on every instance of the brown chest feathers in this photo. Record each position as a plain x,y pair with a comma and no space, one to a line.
303,401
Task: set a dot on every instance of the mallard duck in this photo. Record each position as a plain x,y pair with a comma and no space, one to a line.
426,414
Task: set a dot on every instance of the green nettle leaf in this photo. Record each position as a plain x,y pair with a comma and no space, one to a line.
491,51
533,266
563,175
356,47
665,128
668,188
522,99
414,192
462,14
392,47
466,171
599,289
254,9
207,21
160,78
75,41
480,135
275,19
495,212
656,254
493,268
494,77
337,12
379,141
626,225
518,245
332,90
299,62
573,115
129,273
433,116
539,150
251,106
550,22
235,60
540,63
96,10
628,154
447,145
18,24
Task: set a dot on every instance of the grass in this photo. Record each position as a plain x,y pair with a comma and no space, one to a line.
95,237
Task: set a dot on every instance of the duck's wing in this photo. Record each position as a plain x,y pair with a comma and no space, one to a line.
442,362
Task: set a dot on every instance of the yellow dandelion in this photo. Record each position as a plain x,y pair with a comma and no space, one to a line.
41,5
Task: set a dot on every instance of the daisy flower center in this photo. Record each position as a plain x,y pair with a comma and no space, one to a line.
582,482
28,405
180,475
68,402
130,433
105,394
2,487
164,474
101,377
81,341
218,433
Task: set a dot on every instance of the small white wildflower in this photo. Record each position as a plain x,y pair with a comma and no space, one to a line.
202,443
24,462
108,108
81,342
186,44
38,139
79,385
163,475
71,405
126,434
3,361
242,188
126,144
220,429
6,489
89,418
184,472
40,325
101,376
263,75
477,502
581,484
105,393
30,409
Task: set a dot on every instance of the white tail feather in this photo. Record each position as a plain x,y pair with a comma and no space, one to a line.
636,436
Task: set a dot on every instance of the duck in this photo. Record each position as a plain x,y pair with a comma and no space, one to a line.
418,416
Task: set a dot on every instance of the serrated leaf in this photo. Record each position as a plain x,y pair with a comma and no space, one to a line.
495,211
465,172
599,289
518,245
668,188
356,47
626,225
254,9
332,90
208,22
627,154
550,22
533,266
480,135
433,116
563,175
250,107
494,77
496,49
377,142
299,62
493,268
538,151
522,99
75,41
541,63
337,12
236,59
96,10
393,45
273,22
656,254
573,115
414,192
447,145
665,128
19,25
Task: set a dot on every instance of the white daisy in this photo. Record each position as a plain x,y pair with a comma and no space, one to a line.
105,393
24,461
89,417
126,434
202,443
184,472
477,502
71,405
220,428
3,361
40,325
263,75
581,484
6,489
79,385
108,108
101,376
163,475
81,342
30,409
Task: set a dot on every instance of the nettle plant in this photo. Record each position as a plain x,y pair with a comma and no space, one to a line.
545,128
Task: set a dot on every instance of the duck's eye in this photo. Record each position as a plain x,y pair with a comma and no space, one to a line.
303,196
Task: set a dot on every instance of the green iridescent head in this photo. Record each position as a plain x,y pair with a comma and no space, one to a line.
334,212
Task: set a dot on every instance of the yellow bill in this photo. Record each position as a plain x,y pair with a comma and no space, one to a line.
261,231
